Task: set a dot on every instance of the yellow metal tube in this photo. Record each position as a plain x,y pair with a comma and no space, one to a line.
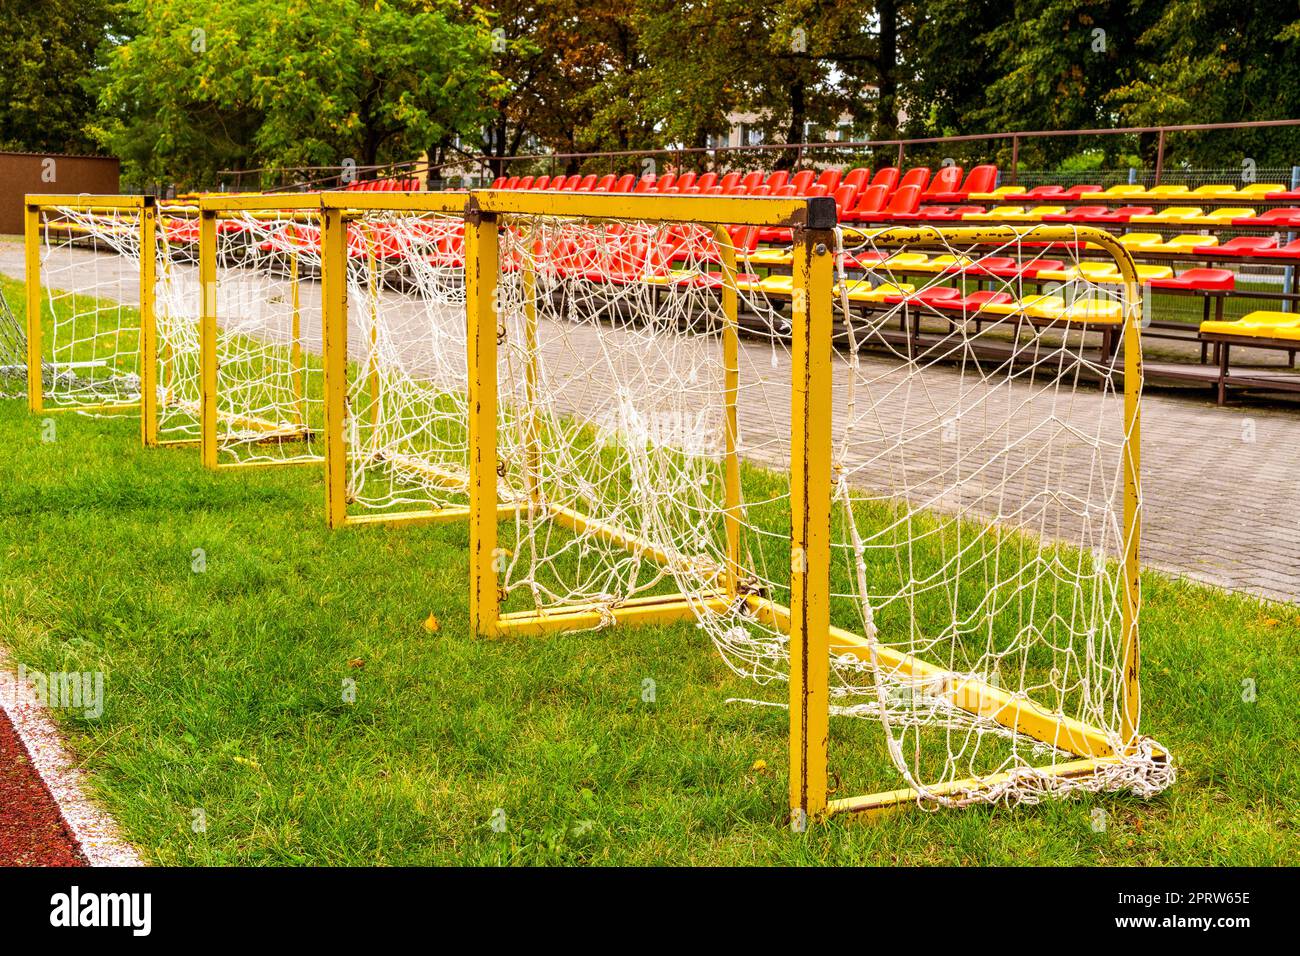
148,326
810,513
482,268
334,317
732,516
208,338
32,254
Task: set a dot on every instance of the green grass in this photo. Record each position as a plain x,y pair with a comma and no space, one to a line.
224,692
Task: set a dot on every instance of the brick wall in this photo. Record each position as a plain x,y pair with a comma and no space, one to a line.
23,173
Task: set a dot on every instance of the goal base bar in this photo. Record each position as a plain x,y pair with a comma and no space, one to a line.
102,408
976,697
892,801
453,513
659,609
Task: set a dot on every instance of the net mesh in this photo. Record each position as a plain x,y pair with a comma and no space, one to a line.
13,352
405,430
269,374
90,285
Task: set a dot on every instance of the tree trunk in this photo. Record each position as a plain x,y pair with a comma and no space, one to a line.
798,117
887,70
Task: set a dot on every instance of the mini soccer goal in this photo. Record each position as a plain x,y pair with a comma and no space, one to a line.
89,333
259,344
907,514
396,385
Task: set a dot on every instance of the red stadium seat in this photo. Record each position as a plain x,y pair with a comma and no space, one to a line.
1086,214
857,178
751,182
903,204
644,185
830,178
1288,217
1246,246
511,183
1078,192
525,182
573,182
1128,212
686,181
587,183
778,178
981,179
918,177
604,184
977,300
541,182
870,201
497,183
844,197
624,184
934,296
729,180
665,182
946,181
886,176
1199,280
802,181
1289,251
706,181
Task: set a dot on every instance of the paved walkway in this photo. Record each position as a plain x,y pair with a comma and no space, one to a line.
1221,486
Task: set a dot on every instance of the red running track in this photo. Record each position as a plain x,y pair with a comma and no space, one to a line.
32,831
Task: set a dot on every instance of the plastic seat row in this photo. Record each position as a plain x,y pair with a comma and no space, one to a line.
1130,191
384,185
1048,307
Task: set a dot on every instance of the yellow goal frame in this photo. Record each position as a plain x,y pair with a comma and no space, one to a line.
212,208
33,207
338,209
807,620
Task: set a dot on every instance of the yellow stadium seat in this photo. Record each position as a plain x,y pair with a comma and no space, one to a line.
777,285
1231,212
1215,189
856,289
1260,189
1165,191
1042,306
768,257
1137,240
1261,324
1172,214
905,260
1000,213
943,263
997,194
879,293
1148,272
1188,242
1124,189
1096,311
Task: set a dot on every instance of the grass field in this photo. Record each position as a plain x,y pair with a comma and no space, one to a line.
224,694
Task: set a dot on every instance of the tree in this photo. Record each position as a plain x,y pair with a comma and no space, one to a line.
204,84
1203,62
49,56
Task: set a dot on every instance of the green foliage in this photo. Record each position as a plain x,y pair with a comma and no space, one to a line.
206,84
47,56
